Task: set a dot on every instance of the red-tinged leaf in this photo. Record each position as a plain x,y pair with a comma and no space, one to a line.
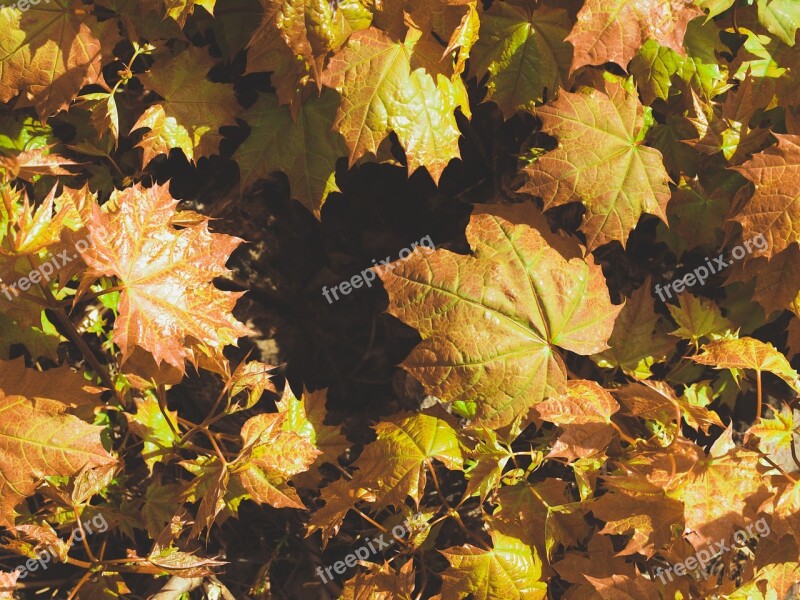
510,570
621,587
657,400
39,436
193,109
584,402
169,305
48,53
584,412
647,516
491,322
614,31
270,458
774,210
601,162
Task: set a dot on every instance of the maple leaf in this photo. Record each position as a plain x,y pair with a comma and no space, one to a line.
657,400
696,213
777,279
638,340
774,210
304,147
39,434
781,18
511,570
646,513
381,93
270,457
547,509
600,161
698,318
180,10
381,582
748,353
614,31
584,412
150,424
524,53
490,460
49,53
339,496
728,472
168,304
295,37
193,109
394,466
776,433
490,322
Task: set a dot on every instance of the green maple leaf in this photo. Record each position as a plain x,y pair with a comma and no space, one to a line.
524,53
193,108
394,466
637,341
491,322
781,18
381,93
698,318
303,147
511,570
600,161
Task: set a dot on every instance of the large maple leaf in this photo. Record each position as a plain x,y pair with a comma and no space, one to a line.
491,322
601,161
524,53
168,304
613,31
39,434
49,52
303,147
382,92
774,209
193,108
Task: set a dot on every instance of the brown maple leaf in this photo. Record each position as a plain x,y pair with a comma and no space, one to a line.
613,31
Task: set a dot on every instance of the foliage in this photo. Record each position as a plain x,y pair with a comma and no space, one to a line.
532,411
